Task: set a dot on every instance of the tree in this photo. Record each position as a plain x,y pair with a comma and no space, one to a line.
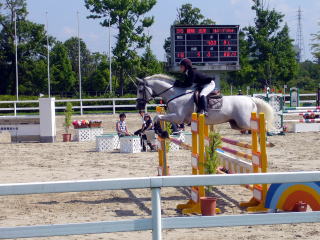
149,64
126,15
245,76
63,78
7,52
186,15
316,46
72,46
271,51
31,39
99,79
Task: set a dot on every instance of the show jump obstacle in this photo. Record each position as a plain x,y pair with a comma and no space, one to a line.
277,196
40,128
235,161
230,160
199,133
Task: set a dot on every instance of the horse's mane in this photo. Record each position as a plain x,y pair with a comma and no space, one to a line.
162,77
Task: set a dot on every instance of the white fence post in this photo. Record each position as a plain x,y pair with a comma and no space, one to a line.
15,108
113,106
81,110
156,214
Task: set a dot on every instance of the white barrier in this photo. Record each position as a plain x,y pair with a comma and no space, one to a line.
40,128
156,223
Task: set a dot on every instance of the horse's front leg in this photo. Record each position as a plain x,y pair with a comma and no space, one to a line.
171,117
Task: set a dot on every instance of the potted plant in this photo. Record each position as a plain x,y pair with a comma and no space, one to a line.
208,204
67,122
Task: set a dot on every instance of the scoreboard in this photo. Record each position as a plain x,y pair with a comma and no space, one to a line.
212,44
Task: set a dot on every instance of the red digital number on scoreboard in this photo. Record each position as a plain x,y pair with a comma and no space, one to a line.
212,42
191,30
226,42
202,30
229,54
180,31
223,30
180,55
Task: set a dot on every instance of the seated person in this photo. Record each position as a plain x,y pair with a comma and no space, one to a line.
181,127
148,125
176,128
121,126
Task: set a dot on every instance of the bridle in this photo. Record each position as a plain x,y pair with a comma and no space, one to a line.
144,100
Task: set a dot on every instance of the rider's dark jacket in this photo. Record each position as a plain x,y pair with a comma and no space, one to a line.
193,76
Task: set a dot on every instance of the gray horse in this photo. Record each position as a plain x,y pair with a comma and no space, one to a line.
180,104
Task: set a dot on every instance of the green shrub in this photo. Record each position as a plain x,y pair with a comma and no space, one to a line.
68,117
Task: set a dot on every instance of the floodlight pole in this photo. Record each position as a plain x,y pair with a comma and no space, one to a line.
16,53
48,56
79,55
110,70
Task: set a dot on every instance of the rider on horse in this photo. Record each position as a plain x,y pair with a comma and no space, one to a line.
204,84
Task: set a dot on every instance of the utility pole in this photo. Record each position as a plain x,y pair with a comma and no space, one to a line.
16,53
48,56
299,37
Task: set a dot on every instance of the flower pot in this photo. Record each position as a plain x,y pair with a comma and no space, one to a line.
66,137
208,206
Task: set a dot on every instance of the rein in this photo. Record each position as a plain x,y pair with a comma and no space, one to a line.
178,96
143,100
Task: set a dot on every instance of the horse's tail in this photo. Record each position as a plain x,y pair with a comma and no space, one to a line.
268,111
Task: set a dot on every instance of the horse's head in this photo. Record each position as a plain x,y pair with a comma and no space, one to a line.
144,94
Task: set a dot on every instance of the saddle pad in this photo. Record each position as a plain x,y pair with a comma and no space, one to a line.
215,102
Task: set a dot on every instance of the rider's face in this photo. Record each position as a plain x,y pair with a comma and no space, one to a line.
182,68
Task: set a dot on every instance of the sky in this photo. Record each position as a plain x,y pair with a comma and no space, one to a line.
62,19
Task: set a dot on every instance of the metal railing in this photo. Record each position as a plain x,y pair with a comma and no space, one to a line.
157,223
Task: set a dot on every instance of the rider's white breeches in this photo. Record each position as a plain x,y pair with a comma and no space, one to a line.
208,88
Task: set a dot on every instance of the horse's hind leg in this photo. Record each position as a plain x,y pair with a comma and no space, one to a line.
234,125
239,125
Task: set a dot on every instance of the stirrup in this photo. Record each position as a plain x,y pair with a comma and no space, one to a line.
203,112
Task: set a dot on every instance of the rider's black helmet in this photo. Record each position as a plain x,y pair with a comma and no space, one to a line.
186,62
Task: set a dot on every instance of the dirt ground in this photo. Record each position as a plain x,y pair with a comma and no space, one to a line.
39,162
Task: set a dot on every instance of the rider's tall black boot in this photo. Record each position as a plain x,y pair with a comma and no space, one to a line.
203,105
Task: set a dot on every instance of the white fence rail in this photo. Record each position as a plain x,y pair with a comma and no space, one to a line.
114,107
156,223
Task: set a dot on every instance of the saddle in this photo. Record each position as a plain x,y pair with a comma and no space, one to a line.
214,99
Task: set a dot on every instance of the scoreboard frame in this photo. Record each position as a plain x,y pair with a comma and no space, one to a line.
210,47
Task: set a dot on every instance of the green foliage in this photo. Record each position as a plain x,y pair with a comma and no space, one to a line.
63,78
128,17
308,77
168,128
315,46
31,51
86,61
212,158
149,64
187,14
68,117
270,56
